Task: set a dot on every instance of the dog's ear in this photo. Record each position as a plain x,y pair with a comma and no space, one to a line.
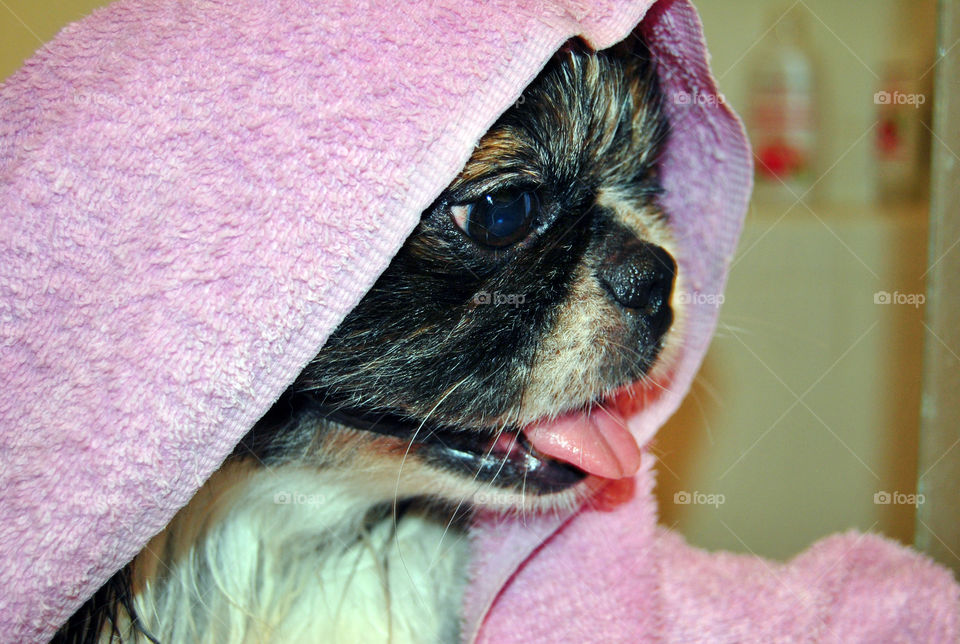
631,47
576,45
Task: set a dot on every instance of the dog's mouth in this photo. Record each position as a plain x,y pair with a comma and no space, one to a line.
544,457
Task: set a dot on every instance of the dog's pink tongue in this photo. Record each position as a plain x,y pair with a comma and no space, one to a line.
597,442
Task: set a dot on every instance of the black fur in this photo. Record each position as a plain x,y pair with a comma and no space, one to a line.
102,613
418,342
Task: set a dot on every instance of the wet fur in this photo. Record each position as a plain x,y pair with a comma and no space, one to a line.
313,531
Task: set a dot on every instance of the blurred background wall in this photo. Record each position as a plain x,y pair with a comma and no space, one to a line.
804,418
27,24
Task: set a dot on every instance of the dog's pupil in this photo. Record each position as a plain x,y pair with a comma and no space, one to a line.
502,218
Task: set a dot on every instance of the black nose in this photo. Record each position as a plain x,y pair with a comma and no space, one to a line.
639,275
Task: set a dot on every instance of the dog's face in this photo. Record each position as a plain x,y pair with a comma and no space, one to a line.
539,283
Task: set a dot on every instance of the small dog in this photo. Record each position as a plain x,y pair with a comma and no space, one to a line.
535,290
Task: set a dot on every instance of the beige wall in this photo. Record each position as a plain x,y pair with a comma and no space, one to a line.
27,24
809,400
799,313
808,403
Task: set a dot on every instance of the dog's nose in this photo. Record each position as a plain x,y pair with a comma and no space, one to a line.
640,275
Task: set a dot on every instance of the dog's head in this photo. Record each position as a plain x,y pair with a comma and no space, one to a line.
533,291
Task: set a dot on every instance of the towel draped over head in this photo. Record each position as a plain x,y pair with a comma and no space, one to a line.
193,193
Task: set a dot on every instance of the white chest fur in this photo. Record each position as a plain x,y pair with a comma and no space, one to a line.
287,555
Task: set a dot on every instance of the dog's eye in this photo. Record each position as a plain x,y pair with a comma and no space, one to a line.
497,219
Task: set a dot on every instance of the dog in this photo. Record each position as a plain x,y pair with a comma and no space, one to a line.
535,291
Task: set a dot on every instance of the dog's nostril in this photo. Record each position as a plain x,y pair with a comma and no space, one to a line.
640,276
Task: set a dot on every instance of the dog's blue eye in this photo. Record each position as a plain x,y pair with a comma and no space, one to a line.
498,219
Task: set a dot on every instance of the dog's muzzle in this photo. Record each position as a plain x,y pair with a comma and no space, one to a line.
639,276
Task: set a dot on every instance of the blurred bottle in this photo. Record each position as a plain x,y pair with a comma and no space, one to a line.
899,145
782,111
903,103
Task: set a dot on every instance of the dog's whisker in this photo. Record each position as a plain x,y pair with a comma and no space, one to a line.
396,490
477,487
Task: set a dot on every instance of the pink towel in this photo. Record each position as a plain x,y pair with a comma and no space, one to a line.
194,192
611,575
